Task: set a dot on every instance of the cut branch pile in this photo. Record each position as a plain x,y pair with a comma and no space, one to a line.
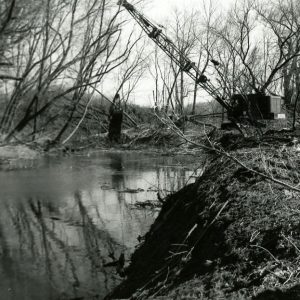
155,136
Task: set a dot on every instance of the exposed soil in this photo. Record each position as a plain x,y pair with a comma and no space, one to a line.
230,235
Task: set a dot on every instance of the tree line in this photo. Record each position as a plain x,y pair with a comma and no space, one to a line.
54,55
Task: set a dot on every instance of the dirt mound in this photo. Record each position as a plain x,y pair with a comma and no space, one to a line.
230,235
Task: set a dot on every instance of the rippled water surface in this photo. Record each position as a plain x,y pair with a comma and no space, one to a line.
61,222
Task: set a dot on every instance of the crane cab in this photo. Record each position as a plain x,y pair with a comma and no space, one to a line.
259,107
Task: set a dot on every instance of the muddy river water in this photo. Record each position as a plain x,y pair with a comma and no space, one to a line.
63,220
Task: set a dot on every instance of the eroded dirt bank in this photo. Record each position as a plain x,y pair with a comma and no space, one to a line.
231,235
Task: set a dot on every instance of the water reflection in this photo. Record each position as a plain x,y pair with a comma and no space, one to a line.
61,223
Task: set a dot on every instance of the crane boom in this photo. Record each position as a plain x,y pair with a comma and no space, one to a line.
166,44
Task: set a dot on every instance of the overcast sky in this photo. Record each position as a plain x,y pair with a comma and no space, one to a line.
162,8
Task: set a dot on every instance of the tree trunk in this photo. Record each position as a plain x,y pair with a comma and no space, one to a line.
115,125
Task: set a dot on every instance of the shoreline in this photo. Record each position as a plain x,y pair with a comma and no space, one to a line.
230,235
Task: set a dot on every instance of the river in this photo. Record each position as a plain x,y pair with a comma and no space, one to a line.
64,219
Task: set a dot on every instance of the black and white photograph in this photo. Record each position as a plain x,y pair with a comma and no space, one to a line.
149,149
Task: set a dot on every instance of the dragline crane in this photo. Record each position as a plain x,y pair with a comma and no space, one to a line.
254,106
166,44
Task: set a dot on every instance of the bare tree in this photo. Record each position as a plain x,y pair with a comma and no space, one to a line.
257,43
17,19
171,85
205,46
132,70
72,48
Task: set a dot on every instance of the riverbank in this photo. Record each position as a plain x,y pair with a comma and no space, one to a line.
146,139
233,234
17,156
